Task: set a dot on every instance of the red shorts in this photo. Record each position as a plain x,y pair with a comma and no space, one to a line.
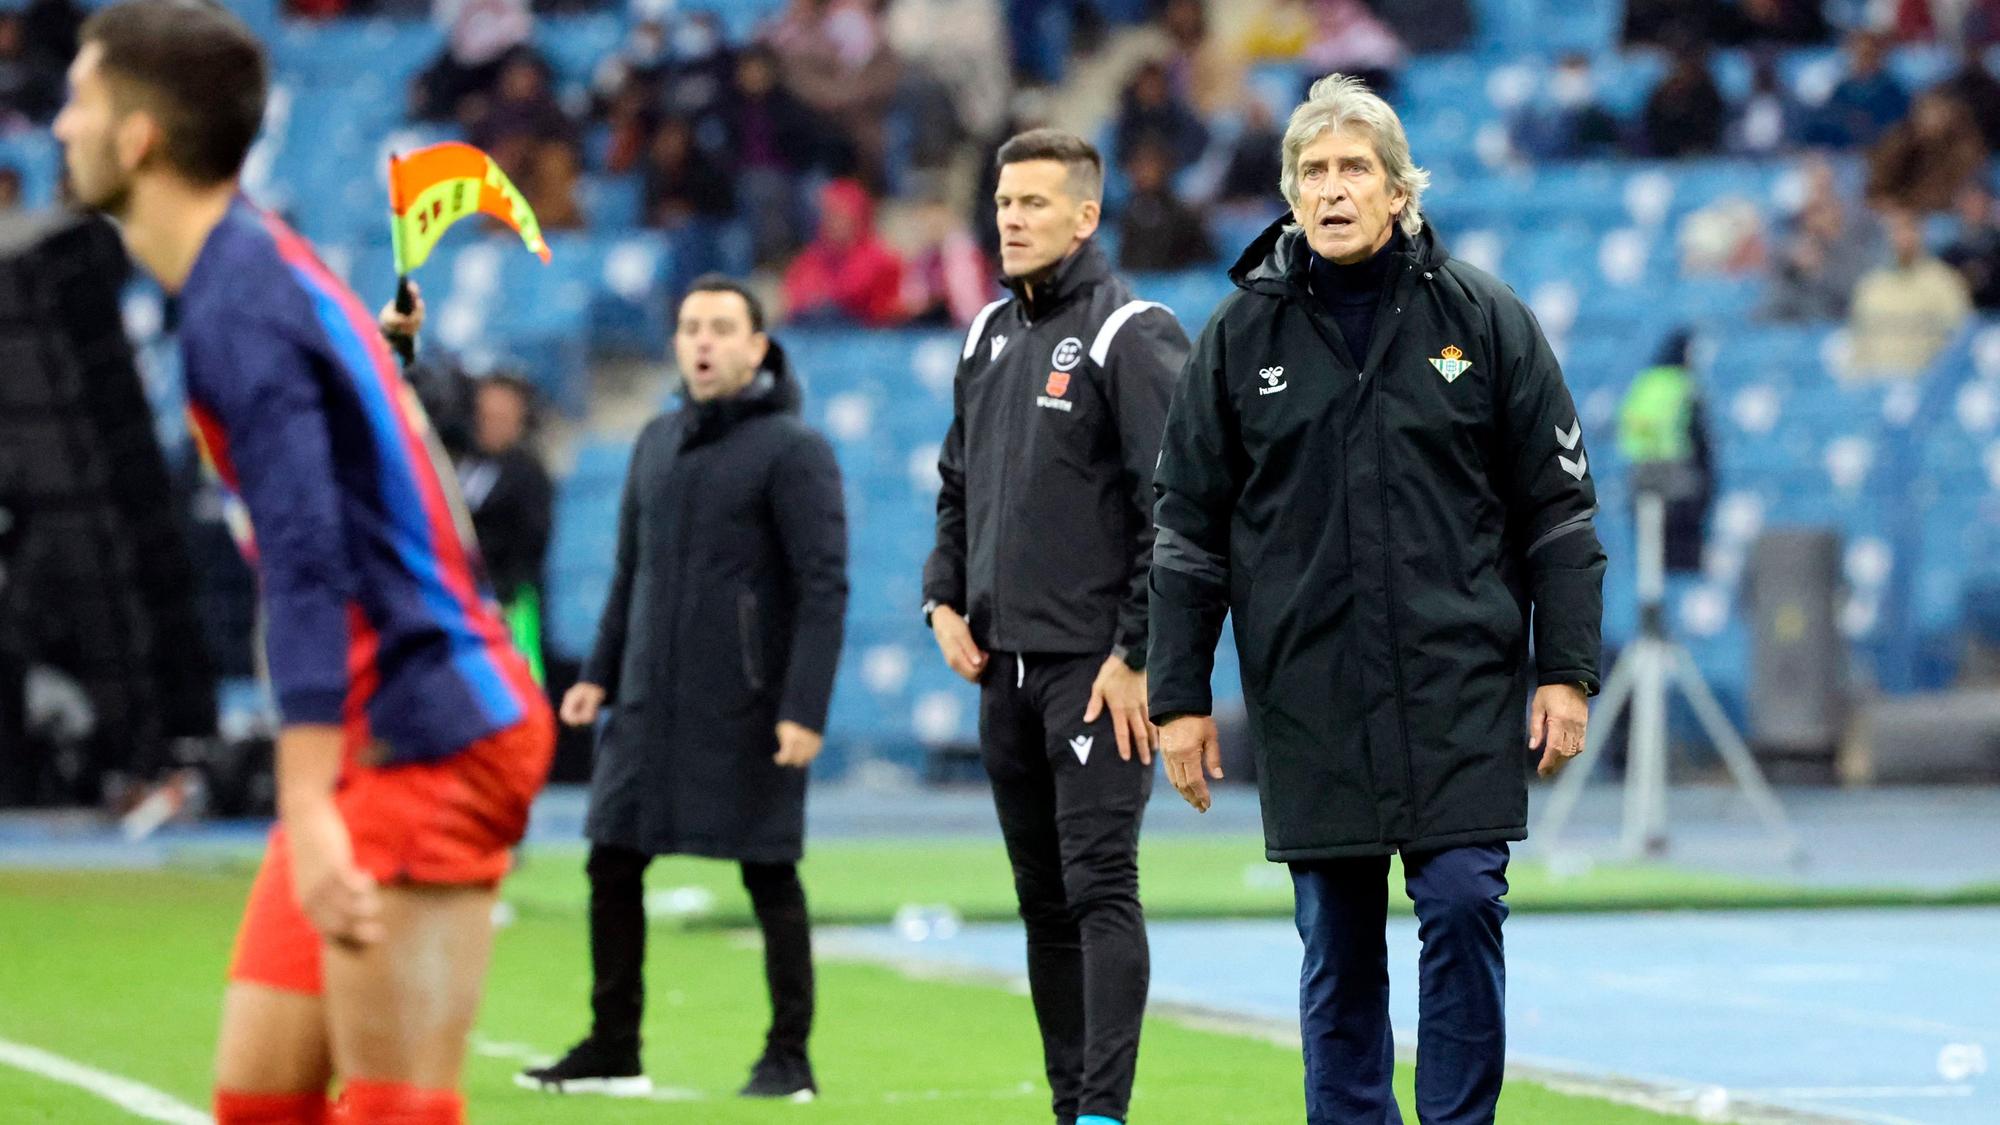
452,822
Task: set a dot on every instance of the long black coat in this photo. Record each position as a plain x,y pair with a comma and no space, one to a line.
1379,532
724,617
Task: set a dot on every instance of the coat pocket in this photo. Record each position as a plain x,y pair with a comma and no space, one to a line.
752,640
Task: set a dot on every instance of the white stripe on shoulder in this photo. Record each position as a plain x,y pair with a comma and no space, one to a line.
1100,348
979,326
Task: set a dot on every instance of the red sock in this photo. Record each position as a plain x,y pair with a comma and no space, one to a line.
396,1103
233,1108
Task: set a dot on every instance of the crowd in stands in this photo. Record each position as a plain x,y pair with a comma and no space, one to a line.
848,140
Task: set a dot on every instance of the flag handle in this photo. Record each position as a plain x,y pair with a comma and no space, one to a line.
406,303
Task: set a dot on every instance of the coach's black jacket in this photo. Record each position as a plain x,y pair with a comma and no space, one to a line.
724,617
1380,532
1044,517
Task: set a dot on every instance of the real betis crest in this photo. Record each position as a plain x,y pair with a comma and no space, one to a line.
1451,363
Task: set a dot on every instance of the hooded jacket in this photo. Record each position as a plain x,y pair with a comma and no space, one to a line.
724,617
859,279
1382,533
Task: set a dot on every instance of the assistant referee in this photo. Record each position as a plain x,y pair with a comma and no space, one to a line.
1036,591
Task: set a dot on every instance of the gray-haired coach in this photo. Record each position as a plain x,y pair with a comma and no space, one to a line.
1372,461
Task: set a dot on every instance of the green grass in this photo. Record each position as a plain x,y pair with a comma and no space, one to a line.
123,971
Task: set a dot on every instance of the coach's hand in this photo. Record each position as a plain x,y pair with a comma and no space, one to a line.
407,324
1556,725
954,639
1122,691
340,899
1193,751
797,745
581,703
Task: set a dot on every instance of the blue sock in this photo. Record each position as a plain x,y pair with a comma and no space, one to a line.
1097,1119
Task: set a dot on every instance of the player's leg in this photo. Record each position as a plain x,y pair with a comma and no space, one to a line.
400,1010
779,901
1011,743
273,1061
1100,803
438,836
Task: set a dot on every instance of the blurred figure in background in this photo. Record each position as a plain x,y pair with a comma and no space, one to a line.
1250,176
1907,311
1866,102
1921,163
847,275
948,280
1770,119
1569,121
481,36
1662,422
512,503
1157,230
681,183
1150,112
774,141
1685,114
1830,245
1975,254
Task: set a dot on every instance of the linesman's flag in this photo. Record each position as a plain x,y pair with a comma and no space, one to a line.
434,187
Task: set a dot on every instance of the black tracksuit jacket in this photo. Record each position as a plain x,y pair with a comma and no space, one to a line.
1044,517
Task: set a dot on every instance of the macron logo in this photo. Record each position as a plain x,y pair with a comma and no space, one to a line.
998,342
1081,746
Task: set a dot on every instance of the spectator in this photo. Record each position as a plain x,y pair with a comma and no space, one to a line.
949,280
1922,162
1684,115
1976,252
1255,166
1569,122
1203,72
553,176
1866,102
524,129
1770,119
481,36
1830,247
833,56
512,503
1956,23
1663,432
1157,231
682,184
696,83
1348,38
1149,112
31,90
1907,311
847,274
1787,22
1429,26
10,189
1276,30
1974,85
640,63
774,139
50,28
963,44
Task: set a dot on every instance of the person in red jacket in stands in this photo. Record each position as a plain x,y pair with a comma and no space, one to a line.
847,274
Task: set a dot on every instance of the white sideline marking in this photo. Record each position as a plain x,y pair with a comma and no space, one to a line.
136,1098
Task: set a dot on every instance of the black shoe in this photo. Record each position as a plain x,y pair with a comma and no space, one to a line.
590,1068
781,1074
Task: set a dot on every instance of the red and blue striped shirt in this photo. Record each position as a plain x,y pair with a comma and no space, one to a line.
377,613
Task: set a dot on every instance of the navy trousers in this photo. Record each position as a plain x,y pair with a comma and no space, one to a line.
1350,1055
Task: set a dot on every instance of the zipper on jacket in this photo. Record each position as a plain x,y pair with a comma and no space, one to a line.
1389,606
746,627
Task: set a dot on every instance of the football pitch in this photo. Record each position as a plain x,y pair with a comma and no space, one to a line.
120,971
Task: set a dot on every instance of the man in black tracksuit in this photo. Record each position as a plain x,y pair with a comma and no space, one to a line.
1373,465
1037,592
